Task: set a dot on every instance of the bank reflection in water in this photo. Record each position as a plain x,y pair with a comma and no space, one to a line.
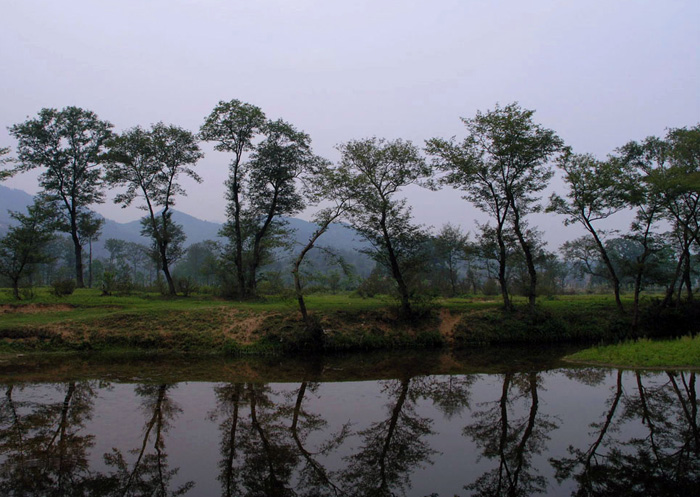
510,434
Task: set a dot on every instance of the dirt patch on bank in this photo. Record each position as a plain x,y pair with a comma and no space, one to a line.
34,308
241,326
448,323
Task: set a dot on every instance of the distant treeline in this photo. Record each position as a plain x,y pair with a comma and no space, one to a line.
502,165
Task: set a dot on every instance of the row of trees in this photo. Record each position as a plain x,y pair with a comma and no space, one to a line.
502,166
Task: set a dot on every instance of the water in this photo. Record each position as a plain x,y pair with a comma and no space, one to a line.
418,425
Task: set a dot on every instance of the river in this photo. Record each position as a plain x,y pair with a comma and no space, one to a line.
506,422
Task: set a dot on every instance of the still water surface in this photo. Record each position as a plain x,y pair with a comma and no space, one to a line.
361,425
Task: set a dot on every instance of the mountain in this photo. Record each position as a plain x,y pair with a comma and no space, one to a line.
12,199
339,236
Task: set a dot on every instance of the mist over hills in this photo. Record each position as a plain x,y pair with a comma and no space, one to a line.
339,236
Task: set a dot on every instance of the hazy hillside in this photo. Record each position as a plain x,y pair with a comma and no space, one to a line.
339,236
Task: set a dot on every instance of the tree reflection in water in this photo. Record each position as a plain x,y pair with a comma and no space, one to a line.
392,448
664,462
511,440
149,474
286,439
42,448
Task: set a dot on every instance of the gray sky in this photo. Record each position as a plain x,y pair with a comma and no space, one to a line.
600,73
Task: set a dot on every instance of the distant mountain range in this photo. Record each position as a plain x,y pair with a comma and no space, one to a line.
339,236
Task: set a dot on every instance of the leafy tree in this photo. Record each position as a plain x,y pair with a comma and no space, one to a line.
334,184
261,185
90,229
451,250
5,160
148,163
68,145
669,170
380,169
597,190
24,245
234,125
502,165
200,262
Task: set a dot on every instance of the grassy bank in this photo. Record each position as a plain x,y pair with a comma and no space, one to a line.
680,352
88,321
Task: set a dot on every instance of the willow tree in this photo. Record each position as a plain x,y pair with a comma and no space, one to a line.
502,165
380,169
148,163
67,144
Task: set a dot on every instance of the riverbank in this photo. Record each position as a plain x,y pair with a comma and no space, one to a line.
683,352
85,321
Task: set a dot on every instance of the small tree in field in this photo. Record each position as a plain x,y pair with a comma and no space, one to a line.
24,245
148,163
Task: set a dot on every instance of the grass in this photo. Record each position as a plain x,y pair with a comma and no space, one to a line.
86,320
644,353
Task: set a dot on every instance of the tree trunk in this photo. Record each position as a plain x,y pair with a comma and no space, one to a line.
15,288
78,250
90,265
532,291
166,270
608,265
238,256
507,304
395,269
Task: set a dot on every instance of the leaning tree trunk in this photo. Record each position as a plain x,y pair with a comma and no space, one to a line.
608,264
396,269
532,291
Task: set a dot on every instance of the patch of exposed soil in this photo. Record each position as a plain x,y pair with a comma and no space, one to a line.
34,308
448,323
240,326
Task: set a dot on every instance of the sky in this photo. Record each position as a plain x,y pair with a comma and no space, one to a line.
599,73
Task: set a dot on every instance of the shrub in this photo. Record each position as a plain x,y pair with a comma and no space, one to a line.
491,287
186,286
61,288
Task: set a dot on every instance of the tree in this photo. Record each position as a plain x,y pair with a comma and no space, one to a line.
451,250
5,160
261,188
669,170
234,125
502,165
23,246
148,163
90,229
380,169
334,184
68,145
597,190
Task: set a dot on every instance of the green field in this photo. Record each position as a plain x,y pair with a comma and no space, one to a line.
86,320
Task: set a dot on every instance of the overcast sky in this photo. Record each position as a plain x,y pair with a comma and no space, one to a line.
600,73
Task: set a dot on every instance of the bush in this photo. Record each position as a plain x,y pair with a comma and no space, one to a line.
109,283
62,288
186,286
491,287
